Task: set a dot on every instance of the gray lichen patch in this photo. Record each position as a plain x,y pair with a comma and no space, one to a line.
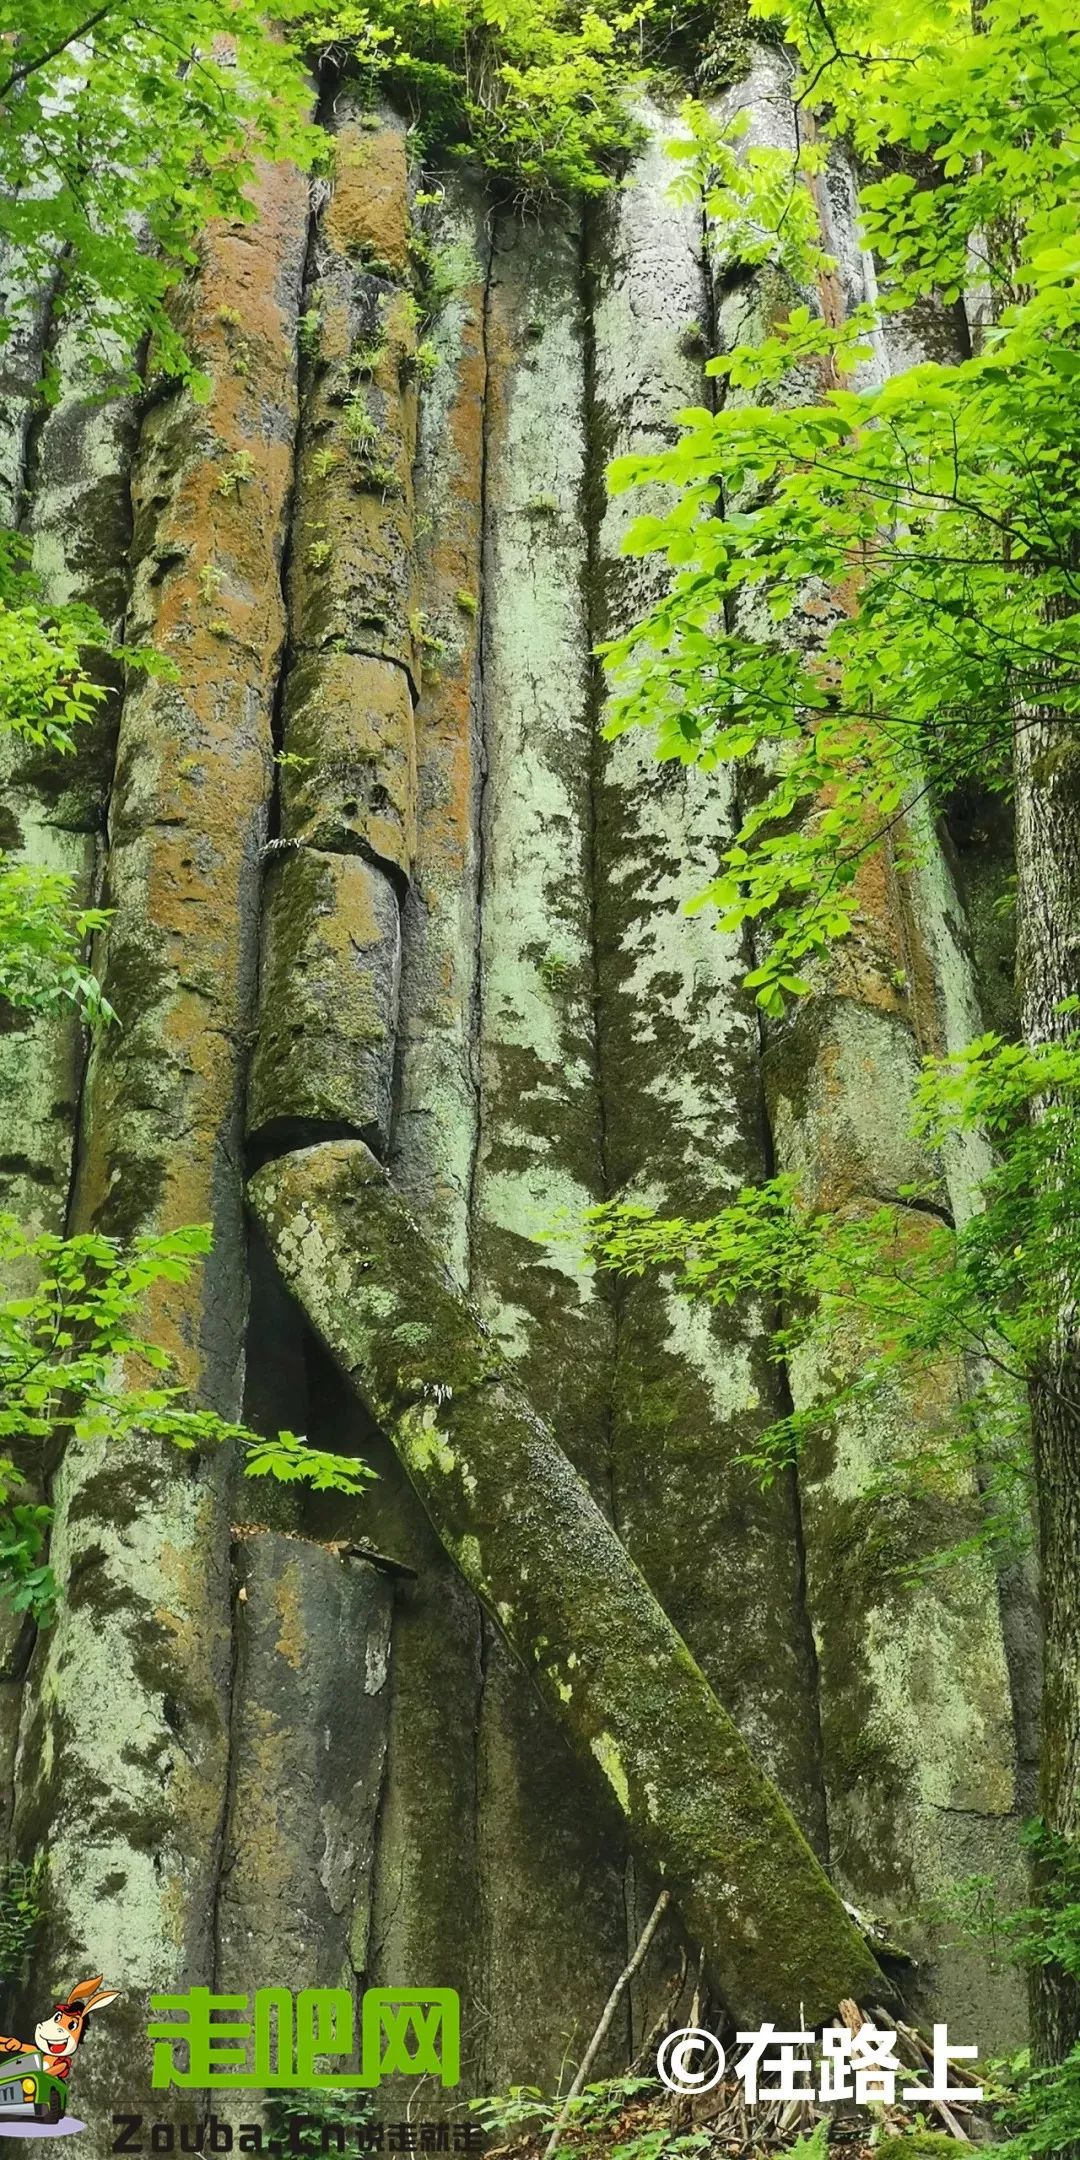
539,1154
435,1134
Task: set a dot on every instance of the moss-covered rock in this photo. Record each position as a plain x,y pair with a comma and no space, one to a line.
123,1754
368,212
352,584
916,1718
539,1142
916,2145
429,1907
435,1137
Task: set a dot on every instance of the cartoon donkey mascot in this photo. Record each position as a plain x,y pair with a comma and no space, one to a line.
58,2036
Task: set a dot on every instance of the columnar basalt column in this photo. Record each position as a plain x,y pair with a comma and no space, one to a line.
555,1914
427,1923
679,1040
22,359
308,1741
331,932
436,1121
77,528
527,1534
123,1753
917,1738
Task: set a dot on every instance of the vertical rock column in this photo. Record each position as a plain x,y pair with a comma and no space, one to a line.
78,527
947,1013
552,1870
330,958
22,358
679,1042
123,1753
917,1741
331,936
426,1918
38,1059
308,1741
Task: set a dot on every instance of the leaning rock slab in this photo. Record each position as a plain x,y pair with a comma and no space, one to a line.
526,1533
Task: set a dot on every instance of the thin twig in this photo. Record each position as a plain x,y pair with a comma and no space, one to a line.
610,2007
664,2021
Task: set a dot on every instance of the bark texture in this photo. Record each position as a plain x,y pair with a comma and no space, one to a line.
1047,769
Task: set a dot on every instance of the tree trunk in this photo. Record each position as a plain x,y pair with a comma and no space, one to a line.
525,1532
1047,767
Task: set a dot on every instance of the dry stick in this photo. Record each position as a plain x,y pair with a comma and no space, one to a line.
916,2041
610,2007
966,2076
656,2032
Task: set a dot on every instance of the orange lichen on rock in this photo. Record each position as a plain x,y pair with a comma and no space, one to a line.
331,938
351,583
368,211
189,812
330,963
349,728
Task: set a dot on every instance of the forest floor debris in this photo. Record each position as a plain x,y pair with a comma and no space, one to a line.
634,2118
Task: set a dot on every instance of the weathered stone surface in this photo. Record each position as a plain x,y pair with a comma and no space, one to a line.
53,808
21,361
540,1141
679,1049
527,1535
328,994
349,723
352,585
947,1013
435,1136
917,1742
41,1056
427,1919
120,1775
16,1642
368,211
916,1716
123,1754
539,1144
428,1915
308,1743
